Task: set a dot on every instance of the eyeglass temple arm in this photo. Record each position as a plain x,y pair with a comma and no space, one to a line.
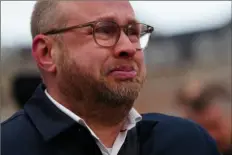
55,31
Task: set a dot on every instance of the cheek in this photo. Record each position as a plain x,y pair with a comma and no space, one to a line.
139,57
218,131
143,68
90,61
84,52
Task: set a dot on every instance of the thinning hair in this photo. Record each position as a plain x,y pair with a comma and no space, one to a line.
206,96
209,94
46,16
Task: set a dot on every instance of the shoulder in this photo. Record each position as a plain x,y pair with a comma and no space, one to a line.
15,121
17,130
173,124
176,123
179,134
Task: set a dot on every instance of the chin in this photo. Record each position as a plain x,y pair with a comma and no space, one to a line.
129,84
126,83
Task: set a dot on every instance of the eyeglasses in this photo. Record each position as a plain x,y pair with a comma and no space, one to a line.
107,33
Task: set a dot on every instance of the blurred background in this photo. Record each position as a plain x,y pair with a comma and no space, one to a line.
191,42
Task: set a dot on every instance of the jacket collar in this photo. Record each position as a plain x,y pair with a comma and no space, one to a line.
46,117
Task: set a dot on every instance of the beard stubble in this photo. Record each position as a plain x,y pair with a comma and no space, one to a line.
99,100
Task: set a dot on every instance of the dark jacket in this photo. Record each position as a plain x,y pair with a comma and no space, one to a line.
42,129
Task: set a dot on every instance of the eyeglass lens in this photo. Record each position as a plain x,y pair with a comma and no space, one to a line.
108,33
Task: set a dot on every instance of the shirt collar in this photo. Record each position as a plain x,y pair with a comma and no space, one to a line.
70,114
132,118
48,119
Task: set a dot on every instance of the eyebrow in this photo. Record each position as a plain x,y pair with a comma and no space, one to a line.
129,20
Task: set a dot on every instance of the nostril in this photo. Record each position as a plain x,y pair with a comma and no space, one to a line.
124,54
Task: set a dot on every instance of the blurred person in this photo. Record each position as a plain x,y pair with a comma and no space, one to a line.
210,106
23,87
90,56
188,92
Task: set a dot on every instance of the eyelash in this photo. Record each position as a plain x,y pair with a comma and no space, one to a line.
90,31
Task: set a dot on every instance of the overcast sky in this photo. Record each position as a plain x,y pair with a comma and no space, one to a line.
168,17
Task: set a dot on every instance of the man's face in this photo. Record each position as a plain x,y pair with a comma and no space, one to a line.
216,123
112,75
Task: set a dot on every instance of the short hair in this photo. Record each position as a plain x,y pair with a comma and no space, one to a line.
208,94
45,16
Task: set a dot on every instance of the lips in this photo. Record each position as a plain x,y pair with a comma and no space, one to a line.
123,72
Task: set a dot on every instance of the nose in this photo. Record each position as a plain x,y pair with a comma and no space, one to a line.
124,48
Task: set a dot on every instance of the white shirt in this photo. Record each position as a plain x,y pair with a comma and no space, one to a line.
132,119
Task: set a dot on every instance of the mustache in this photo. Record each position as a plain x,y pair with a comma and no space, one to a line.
121,67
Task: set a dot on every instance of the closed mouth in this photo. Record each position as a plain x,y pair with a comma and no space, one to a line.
122,68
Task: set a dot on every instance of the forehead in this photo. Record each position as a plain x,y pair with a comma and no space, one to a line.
86,11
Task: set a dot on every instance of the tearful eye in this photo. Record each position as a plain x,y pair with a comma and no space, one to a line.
106,29
90,31
107,33
133,32
133,35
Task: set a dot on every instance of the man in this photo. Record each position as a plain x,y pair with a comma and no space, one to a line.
211,108
90,55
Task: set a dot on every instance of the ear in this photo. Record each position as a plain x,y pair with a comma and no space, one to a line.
42,52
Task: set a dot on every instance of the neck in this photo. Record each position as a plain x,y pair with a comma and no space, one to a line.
106,122
106,134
